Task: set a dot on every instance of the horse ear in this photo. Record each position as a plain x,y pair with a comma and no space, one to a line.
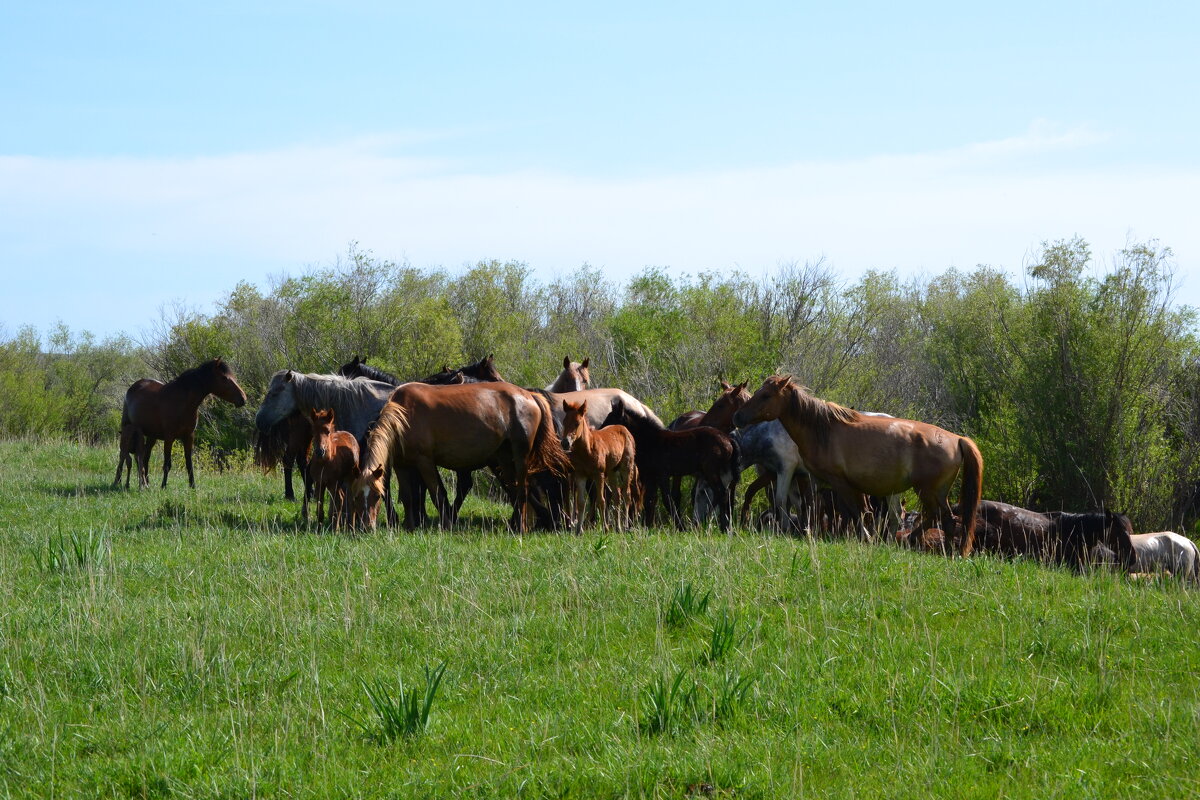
742,386
566,362
489,358
583,364
378,473
725,387
583,408
287,376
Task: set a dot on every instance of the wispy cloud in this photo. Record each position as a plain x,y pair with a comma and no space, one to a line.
983,202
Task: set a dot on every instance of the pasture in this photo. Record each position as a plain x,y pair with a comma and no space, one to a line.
206,643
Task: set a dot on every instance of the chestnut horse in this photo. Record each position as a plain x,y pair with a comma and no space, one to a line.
604,457
462,427
155,410
574,377
861,455
332,467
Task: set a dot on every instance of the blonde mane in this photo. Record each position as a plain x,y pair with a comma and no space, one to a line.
385,436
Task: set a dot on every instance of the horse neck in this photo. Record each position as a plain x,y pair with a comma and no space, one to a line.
189,390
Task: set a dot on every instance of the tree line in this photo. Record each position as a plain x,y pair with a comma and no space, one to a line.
1080,383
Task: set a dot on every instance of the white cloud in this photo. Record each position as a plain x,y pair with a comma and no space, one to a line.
985,202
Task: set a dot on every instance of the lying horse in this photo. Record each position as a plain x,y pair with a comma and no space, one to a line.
462,427
1167,551
862,455
155,410
1075,536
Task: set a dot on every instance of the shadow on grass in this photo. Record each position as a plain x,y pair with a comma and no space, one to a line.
68,490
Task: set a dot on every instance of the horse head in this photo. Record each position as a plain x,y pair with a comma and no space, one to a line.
574,422
279,402
322,429
1119,532
483,370
350,368
767,403
365,493
225,385
731,400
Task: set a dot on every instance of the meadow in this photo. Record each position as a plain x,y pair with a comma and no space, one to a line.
180,643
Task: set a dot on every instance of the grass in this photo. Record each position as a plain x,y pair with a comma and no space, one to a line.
210,645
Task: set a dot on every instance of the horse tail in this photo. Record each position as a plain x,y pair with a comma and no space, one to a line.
545,452
972,491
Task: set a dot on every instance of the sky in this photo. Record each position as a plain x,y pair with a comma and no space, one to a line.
157,154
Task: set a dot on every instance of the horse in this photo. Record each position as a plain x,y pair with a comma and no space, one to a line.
600,405
482,371
155,410
355,402
286,442
334,464
660,454
863,455
719,416
1012,531
359,368
1168,551
463,428
1075,536
605,457
574,377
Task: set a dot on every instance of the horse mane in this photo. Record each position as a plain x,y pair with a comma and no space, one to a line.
369,372
200,377
819,415
385,434
328,391
269,447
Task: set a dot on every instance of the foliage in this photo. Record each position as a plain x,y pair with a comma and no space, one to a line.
1081,386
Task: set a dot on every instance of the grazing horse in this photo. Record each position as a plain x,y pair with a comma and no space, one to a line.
1167,551
604,457
861,455
661,454
286,443
155,410
334,464
463,428
573,378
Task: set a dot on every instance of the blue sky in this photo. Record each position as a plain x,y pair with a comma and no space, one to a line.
159,153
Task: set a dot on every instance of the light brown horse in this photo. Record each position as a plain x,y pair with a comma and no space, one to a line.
461,427
155,410
574,377
332,466
859,454
604,457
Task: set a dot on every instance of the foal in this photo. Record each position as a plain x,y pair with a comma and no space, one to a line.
605,457
331,467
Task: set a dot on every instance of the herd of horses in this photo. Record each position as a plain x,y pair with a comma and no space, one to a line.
571,453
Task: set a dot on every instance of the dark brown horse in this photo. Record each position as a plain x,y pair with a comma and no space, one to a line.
859,455
719,416
707,453
155,410
286,443
462,428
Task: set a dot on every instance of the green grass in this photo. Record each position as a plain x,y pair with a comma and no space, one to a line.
207,644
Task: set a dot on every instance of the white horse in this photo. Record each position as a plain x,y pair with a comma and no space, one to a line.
1168,551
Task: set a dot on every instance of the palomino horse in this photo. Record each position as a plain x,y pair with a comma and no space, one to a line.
155,410
857,454
661,454
573,378
334,464
1167,551
604,457
463,428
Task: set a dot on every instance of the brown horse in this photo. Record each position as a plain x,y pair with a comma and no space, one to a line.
463,427
332,467
286,442
604,457
155,410
719,415
574,377
858,454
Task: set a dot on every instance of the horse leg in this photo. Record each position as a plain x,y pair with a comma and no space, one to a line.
464,480
168,445
598,506
304,504
580,495
669,501
143,462
189,441
853,507
433,482
405,498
